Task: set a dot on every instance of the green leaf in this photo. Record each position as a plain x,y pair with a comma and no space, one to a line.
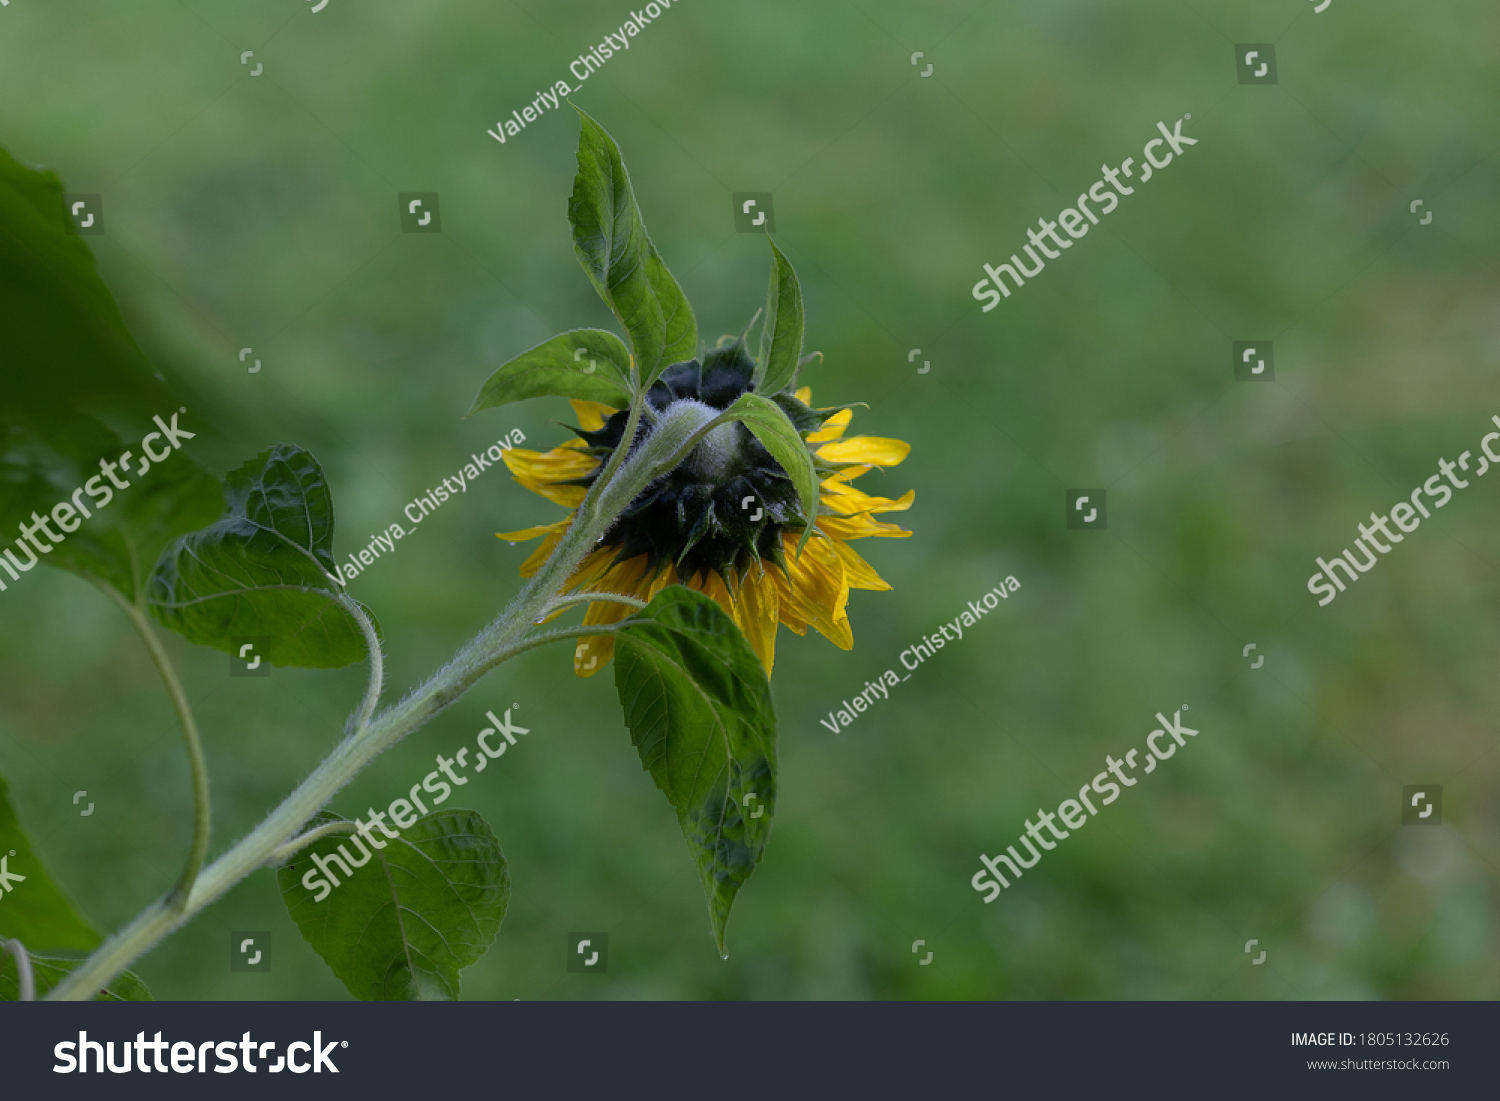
699,710
265,570
585,364
119,547
619,258
402,926
35,911
78,392
781,339
776,433
47,972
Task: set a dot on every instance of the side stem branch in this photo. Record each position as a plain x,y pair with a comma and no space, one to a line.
197,763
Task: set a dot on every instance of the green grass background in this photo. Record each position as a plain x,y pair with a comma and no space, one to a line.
261,212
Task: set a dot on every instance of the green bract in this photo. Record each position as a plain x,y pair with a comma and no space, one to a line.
781,339
619,258
588,364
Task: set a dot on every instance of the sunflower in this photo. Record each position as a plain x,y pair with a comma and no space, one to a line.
726,520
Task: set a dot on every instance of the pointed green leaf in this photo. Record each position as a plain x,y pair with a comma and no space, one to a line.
585,364
619,258
265,570
35,912
78,392
776,433
47,972
699,710
781,339
401,926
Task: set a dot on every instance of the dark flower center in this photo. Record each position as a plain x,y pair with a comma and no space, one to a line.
726,505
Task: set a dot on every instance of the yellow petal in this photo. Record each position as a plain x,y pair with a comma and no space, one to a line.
755,612
531,533
804,395
594,652
818,589
666,577
591,414
875,450
599,572
859,527
567,496
537,471
543,552
787,611
712,585
859,573
848,501
558,465
833,427
848,474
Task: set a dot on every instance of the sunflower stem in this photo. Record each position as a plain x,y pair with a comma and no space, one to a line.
192,742
567,601
361,718
297,844
621,452
534,641
504,638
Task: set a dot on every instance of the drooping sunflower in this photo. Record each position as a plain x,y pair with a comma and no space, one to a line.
726,521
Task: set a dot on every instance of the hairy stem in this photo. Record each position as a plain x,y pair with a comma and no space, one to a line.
504,638
618,456
197,764
361,718
556,636
570,599
297,844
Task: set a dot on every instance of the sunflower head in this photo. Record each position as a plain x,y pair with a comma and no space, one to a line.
693,467
725,507
726,521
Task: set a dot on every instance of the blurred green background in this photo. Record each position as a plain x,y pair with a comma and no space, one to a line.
261,212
